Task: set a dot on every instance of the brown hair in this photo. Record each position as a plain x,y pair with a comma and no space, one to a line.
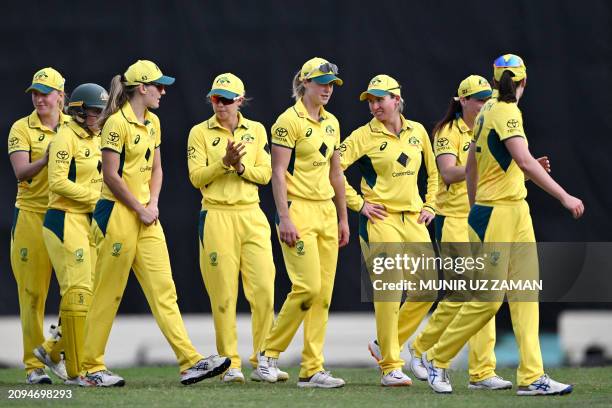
506,87
454,109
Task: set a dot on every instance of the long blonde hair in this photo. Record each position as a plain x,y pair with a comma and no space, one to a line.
119,94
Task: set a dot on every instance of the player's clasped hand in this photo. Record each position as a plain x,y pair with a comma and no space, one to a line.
148,215
373,211
287,231
425,217
233,153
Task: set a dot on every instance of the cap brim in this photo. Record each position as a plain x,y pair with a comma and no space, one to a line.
164,80
486,94
379,93
223,93
44,89
327,78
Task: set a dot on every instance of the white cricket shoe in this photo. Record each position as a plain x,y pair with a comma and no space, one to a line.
38,376
280,375
208,367
73,381
374,349
417,367
322,379
102,378
493,383
545,386
395,378
266,368
437,378
58,368
233,375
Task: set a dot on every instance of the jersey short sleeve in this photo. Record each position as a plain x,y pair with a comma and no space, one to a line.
446,141
18,140
508,121
113,134
284,132
157,127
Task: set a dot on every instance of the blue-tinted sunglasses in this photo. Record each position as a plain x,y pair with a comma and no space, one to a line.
513,62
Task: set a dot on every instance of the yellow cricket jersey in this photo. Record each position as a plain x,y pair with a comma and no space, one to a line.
389,166
75,170
30,135
499,177
312,145
454,138
136,143
221,185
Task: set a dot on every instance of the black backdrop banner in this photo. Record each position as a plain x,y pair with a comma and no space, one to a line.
428,46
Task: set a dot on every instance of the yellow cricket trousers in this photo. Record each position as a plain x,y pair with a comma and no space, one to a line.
499,225
311,265
481,358
235,241
124,242
394,324
32,269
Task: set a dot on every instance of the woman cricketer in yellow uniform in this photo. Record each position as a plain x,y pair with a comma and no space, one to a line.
306,176
498,163
229,158
127,231
75,181
389,151
28,144
452,137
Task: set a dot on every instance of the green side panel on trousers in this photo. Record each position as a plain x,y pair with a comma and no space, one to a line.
102,213
54,222
479,219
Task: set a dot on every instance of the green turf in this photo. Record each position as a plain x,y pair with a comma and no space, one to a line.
159,387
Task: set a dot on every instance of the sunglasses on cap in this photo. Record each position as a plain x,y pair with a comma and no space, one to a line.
216,99
326,68
513,62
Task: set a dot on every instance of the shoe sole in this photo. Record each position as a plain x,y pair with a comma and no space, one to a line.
39,356
481,387
212,373
404,384
311,385
565,391
45,381
278,379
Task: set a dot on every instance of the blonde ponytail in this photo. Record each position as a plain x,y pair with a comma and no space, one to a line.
298,87
118,95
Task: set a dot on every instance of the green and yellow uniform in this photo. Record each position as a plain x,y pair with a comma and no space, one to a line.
230,203
389,166
123,242
451,225
75,181
29,260
311,263
500,215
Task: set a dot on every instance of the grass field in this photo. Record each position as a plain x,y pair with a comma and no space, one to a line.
159,387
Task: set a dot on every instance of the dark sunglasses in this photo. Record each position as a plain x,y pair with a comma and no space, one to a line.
160,87
325,68
215,99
